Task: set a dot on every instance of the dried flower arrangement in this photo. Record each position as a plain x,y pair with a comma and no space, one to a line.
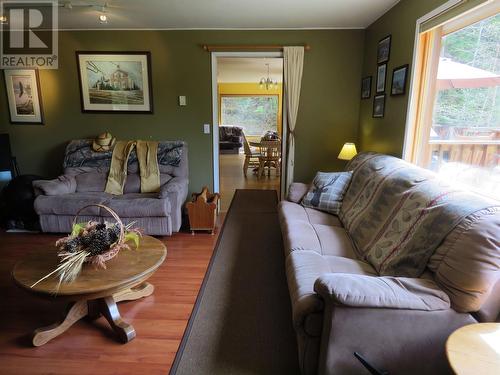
92,242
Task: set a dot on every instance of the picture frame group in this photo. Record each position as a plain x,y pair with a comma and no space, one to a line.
398,82
24,96
383,55
115,81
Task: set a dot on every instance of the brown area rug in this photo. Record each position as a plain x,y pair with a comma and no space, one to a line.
241,322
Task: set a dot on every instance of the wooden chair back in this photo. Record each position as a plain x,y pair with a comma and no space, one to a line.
246,145
270,149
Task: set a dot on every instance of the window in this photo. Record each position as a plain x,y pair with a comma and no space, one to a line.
455,117
255,113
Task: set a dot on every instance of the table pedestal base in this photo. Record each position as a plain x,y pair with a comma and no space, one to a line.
93,309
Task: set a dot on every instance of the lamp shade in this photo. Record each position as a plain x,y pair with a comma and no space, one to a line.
348,151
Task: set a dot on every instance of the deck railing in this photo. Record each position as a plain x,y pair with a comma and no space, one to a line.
480,152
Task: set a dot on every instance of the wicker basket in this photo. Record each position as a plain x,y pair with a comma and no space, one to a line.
112,252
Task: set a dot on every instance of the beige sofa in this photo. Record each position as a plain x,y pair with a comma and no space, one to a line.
342,305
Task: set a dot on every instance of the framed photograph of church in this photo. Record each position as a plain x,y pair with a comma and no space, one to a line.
115,81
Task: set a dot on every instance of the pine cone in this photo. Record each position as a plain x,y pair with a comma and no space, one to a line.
72,245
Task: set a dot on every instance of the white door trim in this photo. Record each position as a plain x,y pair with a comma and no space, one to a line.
215,109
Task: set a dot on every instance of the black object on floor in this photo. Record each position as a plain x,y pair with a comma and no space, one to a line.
371,369
241,322
17,204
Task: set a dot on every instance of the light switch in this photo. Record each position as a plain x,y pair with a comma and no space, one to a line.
206,128
182,100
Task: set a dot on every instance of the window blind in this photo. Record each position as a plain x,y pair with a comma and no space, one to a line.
454,11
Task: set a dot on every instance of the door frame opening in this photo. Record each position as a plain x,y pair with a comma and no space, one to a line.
215,115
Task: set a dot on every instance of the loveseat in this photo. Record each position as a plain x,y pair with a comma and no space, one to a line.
84,180
230,139
342,304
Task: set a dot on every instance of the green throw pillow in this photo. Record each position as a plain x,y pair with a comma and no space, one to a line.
327,191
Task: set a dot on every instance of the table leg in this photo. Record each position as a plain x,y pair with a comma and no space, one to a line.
76,311
143,290
93,310
109,309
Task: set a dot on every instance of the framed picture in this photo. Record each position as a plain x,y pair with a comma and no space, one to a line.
384,50
381,75
366,87
23,94
398,84
115,81
378,106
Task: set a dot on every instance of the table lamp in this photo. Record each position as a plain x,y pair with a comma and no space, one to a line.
348,151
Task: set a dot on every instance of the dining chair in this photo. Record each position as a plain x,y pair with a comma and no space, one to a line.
270,157
251,156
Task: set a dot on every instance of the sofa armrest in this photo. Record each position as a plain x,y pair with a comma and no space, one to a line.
297,191
175,185
64,184
382,292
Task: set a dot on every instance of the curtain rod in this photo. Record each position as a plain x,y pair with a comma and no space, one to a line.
243,47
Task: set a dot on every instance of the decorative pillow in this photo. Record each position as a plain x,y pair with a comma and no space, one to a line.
327,191
64,184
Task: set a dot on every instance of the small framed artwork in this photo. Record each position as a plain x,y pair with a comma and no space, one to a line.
23,94
378,106
384,50
115,81
366,87
398,85
381,75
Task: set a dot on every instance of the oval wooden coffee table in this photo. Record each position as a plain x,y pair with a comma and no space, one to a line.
95,291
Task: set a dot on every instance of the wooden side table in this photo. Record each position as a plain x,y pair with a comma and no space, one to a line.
475,349
96,291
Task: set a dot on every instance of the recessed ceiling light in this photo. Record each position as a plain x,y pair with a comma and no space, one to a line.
103,18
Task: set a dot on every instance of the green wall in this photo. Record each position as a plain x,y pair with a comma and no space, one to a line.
386,134
328,115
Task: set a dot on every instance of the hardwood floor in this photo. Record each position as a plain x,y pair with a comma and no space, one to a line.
90,347
232,178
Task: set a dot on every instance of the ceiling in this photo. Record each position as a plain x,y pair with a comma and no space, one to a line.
223,14
234,69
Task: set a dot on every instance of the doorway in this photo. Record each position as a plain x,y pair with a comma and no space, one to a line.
248,122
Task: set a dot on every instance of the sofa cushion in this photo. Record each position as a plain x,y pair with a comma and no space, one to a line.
334,241
298,225
139,205
467,263
398,213
133,182
302,270
291,211
299,235
91,181
69,204
318,217
327,191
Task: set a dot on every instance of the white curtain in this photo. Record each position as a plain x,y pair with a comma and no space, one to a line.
293,62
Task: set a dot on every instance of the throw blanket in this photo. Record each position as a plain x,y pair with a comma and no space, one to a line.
397,214
79,154
148,166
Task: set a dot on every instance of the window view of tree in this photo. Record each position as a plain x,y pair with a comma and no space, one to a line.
256,114
472,112
464,143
